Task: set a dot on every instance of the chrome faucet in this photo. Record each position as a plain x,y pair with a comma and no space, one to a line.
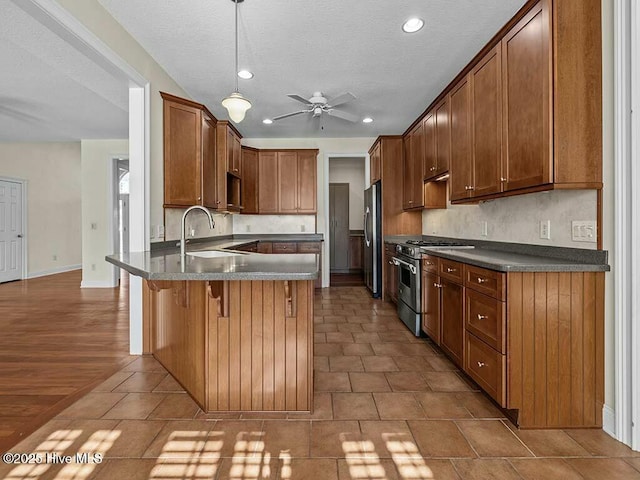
184,217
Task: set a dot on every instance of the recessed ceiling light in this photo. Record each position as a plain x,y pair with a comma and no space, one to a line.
267,121
413,25
367,120
245,74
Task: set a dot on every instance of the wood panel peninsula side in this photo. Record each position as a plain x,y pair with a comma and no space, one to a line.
236,332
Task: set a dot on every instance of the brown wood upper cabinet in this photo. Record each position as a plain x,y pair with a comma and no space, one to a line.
249,168
526,113
189,153
287,181
375,172
229,159
413,162
437,140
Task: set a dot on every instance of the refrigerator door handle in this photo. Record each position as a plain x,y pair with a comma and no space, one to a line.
367,240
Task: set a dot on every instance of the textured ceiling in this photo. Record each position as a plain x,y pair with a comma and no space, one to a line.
303,46
49,91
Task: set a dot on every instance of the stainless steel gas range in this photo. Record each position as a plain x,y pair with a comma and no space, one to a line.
408,261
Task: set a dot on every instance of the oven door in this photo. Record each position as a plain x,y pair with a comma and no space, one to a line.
408,281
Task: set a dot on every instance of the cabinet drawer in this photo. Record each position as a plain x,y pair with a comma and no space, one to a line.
485,281
451,270
250,247
487,367
265,247
309,247
285,248
485,318
430,264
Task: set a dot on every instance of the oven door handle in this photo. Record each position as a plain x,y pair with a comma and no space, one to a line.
412,268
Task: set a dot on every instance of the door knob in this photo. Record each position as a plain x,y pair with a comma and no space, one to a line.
19,235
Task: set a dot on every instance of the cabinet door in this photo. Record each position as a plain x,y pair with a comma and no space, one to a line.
431,306
443,137
486,105
355,253
288,182
390,278
182,154
249,180
460,167
407,172
374,162
452,340
268,182
233,152
307,183
527,71
430,160
417,179
237,156
209,197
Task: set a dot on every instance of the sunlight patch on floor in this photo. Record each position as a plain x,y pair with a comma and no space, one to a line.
363,461
407,458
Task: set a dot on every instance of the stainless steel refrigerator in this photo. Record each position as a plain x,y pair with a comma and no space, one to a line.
373,240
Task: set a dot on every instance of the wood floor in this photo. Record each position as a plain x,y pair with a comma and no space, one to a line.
58,341
346,279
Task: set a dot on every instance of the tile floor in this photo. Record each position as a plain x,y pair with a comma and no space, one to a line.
387,406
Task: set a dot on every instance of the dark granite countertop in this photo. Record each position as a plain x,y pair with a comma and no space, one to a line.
228,241
515,257
166,264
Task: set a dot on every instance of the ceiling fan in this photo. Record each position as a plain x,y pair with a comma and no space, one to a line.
318,104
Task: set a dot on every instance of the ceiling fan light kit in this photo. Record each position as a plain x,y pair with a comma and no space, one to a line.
236,104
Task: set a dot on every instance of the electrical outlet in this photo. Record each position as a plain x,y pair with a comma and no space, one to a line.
483,229
303,228
545,229
160,231
248,227
192,232
94,226
584,231
55,257
152,232
93,267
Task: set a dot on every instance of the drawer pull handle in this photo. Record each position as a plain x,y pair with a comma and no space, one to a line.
482,317
481,364
437,285
428,263
449,269
482,280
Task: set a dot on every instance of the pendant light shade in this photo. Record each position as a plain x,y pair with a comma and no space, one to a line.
237,106
235,103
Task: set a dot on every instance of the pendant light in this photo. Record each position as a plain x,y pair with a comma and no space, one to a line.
235,103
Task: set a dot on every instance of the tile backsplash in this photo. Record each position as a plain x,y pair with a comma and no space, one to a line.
198,222
517,219
247,224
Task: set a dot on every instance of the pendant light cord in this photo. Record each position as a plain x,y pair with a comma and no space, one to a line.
236,72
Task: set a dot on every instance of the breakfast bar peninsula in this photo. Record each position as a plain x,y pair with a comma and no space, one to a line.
234,328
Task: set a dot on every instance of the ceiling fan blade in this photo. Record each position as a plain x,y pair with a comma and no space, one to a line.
343,115
340,99
280,117
299,98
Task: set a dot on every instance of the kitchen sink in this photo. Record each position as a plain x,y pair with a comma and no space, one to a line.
213,254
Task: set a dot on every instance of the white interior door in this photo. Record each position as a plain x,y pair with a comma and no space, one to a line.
10,231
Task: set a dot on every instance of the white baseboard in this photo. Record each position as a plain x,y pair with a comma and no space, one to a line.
609,420
97,284
53,271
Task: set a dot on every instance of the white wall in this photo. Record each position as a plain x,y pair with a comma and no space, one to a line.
351,171
248,224
104,26
52,171
517,219
326,146
97,208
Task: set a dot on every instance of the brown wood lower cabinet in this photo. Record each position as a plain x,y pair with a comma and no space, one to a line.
390,273
533,341
236,345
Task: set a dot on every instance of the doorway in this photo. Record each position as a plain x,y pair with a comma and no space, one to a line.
120,209
347,181
12,226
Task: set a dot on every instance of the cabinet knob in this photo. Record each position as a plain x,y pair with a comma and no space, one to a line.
199,198
437,285
449,269
481,364
410,201
235,169
432,169
482,280
471,187
428,263
503,179
482,317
